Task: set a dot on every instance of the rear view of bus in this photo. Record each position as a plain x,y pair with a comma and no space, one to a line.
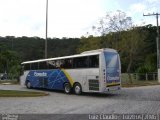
112,71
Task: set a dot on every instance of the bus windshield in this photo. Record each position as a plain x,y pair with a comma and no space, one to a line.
112,60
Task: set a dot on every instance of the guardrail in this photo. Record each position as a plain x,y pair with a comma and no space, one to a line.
145,76
139,77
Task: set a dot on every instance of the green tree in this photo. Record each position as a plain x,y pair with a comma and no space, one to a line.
9,63
89,43
113,24
132,45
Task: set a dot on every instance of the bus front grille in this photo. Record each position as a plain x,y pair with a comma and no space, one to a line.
93,84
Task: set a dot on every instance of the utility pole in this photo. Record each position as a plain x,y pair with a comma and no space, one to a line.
157,39
46,29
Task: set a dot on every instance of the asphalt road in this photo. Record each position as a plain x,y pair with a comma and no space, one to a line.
137,100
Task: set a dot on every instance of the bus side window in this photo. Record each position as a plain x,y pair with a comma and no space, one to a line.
58,64
94,61
80,62
27,67
51,64
42,65
34,66
67,63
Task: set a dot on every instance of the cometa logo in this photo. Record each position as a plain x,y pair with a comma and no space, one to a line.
43,74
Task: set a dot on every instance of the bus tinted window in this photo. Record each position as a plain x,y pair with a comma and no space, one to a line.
94,61
43,65
80,62
34,66
27,67
51,64
67,63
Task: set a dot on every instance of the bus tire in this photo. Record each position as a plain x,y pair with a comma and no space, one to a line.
77,89
28,85
67,88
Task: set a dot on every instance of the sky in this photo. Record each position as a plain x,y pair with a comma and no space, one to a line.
67,18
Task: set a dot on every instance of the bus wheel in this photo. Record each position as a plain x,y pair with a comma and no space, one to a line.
77,89
28,85
67,88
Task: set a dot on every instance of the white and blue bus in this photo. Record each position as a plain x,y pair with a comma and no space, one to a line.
91,71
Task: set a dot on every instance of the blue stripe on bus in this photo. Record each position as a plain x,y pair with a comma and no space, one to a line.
50,79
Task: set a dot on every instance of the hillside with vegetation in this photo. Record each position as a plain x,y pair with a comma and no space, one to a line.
135,44
14,50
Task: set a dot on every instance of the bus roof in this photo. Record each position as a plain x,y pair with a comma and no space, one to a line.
100,50
86,53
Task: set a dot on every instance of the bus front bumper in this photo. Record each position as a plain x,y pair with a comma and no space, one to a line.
113,88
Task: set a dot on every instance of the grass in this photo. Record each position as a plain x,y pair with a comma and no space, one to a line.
16,93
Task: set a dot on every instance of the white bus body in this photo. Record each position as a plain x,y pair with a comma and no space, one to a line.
90,71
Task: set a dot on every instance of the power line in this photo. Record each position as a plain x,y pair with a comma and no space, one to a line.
157,39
